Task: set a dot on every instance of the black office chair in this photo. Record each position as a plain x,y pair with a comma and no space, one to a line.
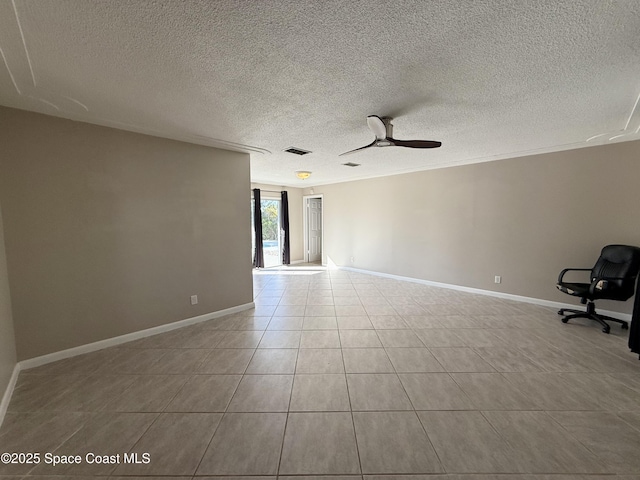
613,278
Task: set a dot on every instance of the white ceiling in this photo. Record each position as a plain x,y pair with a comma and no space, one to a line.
489,79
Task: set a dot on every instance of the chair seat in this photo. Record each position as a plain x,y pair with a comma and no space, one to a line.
576,289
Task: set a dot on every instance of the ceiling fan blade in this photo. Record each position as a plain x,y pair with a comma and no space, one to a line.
361,148
377,126
415,143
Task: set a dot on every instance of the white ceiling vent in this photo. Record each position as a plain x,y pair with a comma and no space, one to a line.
297,151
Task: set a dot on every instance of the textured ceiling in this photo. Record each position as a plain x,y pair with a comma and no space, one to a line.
489,79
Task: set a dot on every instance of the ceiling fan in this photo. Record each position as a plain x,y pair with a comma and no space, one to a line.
383,130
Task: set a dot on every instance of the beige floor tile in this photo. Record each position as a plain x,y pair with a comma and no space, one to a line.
102,434
320,300
631,380
540,445
147,393
201,338
319,443
377,391
366,360
320,339
508,359
132,361
289,311
491,391
91,393
632,418
399,338
273,360
457,359
250,323
37,432
551,359
606,391
280,339
226,361
553,392
259,311
608,436
355,322
246,339
439,337
262,393
388,322
409,310
175,442
319,311
434,391
82,364
320,323
413,360
33,392
422,322
205,393
245,444
320,393
180,360
359,339
466,443
293,300
478,337
373,298
394,442
346,300
380,309
320,360
442,309
349,311
285,323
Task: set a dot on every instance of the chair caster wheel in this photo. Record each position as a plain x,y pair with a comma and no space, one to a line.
606,329
560,312
565,320
625,326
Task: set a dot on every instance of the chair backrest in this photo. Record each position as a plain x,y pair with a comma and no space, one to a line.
622,262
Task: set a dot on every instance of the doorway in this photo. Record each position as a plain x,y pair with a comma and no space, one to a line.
313,229
271,232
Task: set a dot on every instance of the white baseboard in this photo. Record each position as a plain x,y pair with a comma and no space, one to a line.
6,398
490,293
109,342
129,337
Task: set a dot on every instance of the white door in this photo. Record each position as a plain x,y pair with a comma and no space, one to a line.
314,219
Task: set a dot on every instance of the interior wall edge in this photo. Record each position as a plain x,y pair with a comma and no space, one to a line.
489,293
8,392
129,337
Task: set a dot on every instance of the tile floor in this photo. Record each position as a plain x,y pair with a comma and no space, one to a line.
344,375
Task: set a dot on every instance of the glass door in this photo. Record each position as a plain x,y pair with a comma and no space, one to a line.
271,237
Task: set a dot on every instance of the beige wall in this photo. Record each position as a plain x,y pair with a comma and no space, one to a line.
109,232
7,339
524,218
295,215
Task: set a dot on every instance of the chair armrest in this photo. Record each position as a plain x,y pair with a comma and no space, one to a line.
571,270
602,283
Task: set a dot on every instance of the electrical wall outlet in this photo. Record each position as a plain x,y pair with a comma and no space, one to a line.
194,299
497,279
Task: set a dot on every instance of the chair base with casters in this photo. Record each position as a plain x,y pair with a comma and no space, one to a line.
591,314
613,277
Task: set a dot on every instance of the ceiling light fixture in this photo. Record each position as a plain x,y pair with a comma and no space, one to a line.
303,174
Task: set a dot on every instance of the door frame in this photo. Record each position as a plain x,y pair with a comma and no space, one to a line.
305,227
